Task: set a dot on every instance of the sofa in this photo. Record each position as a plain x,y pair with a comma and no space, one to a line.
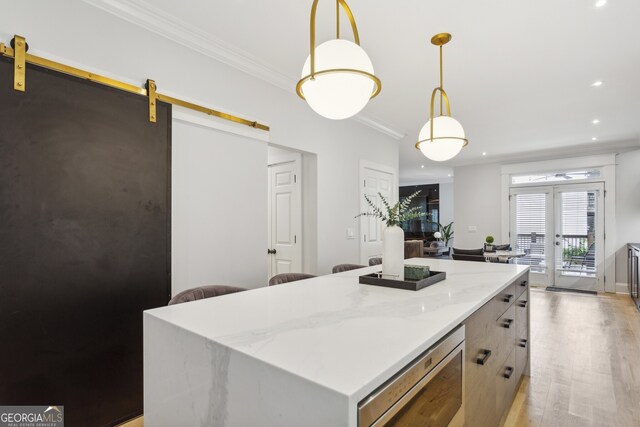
413,249
468,254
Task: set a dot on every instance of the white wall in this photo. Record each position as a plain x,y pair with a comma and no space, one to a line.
477,204
215,237
627,209
447,203
78,34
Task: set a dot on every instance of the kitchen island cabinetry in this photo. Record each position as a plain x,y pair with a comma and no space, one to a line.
497,354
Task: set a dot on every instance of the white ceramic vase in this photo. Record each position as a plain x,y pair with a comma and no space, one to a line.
393,252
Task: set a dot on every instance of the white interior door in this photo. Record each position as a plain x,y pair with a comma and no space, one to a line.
531,226
373,181
285,216
579,237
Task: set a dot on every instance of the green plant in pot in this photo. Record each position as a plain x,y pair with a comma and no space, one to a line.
446,231
393,235
488,247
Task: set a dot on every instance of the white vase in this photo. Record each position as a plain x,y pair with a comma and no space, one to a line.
393,252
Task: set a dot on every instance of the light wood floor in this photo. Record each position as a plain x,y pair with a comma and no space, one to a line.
585,363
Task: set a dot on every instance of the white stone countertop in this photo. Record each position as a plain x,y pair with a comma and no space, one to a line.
335,332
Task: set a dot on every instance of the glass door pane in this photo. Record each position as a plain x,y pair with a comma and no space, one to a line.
531,225
579,238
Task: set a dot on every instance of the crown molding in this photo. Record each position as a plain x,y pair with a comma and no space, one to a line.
379,126
149,17
586,149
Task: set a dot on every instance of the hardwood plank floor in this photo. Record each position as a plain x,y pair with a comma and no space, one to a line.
136,422
585,363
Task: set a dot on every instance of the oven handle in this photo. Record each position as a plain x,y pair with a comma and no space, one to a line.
393,410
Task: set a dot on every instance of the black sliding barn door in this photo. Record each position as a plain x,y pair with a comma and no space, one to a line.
84,243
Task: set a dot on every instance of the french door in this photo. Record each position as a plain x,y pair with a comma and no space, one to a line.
560,229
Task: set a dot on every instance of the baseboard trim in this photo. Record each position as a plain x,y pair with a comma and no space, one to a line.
577,291
622,288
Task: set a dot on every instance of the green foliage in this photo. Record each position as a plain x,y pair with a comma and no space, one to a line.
396,214
571,251
446,231
489,240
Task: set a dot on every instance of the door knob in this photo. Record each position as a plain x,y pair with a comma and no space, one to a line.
557,243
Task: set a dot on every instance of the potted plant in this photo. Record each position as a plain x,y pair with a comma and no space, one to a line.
393,235
488,246
446,231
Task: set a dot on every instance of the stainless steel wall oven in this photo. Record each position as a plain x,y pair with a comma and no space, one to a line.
429,392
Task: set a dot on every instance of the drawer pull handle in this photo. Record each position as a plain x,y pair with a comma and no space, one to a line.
482,360
523,303
507,323
523,343
507,298
523,283
508,372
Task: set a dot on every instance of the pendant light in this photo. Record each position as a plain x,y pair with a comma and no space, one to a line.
337,78
442,137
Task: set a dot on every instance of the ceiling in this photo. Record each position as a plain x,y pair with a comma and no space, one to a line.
519,74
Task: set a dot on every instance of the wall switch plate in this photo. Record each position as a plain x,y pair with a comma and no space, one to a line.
472,229
351,233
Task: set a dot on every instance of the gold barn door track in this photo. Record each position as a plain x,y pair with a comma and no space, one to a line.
18,52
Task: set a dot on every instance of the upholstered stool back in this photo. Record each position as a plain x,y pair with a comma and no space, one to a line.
202,292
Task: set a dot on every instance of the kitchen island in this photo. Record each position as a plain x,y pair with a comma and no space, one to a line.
304,353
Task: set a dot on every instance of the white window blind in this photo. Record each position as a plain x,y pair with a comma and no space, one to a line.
575,207
530,213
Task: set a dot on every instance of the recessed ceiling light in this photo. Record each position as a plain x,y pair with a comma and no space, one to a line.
422,166
449,175
594,138
484,153
601,3
597,83
595,121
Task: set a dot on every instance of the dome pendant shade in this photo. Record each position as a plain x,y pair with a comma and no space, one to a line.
442,137
338,95
337,77
448,139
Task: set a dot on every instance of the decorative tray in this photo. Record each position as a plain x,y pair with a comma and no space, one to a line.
408,284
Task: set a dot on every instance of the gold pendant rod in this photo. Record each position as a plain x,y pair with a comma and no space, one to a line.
337,19
441,79
312,30
8,52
